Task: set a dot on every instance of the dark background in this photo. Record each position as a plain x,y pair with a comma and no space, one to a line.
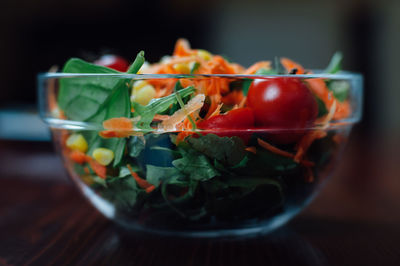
38,34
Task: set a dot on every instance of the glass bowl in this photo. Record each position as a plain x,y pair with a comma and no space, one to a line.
193,183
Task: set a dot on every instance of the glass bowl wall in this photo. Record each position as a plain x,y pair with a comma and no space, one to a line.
208,183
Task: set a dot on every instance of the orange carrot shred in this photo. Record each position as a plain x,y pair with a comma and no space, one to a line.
182,48
289,65
251,149
273,149
253,69
306,142
78,157
86,170
99,169
118,123
143,183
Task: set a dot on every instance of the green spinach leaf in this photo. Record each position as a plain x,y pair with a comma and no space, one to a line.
95,99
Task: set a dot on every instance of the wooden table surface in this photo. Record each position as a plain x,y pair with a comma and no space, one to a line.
45,221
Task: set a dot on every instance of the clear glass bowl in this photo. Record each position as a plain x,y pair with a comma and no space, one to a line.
233,185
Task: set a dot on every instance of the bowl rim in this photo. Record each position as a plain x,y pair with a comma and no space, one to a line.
357,92
342,75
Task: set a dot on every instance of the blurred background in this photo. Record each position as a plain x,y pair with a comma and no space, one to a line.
35,35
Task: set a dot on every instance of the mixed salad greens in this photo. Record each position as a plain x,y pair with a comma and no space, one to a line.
198,150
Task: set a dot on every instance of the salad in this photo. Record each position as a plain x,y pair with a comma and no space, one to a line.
196,141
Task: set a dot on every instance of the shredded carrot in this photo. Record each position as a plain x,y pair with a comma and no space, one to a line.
273,149
257,66
143,183
159,117
182,48
78,157
289,65
217,110
252,149
99,169
182,135
118,124
343,110
306,142
235,97
278,151
115,134
242,103
86,170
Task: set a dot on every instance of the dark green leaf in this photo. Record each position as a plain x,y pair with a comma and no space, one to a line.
195,165
227,150
242,163
122,192
246,86
156,174
266,163
321,107
135,146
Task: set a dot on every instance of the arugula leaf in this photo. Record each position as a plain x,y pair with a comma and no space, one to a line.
195,165
335,64
227,150
156,106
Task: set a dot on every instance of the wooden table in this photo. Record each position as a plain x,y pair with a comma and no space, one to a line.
44,220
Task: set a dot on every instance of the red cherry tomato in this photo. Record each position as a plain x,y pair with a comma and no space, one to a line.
282,103
241,118
113,61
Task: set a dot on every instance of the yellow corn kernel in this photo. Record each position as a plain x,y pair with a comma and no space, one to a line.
77,142
182,68
103,156
204,54
144,95
138,85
